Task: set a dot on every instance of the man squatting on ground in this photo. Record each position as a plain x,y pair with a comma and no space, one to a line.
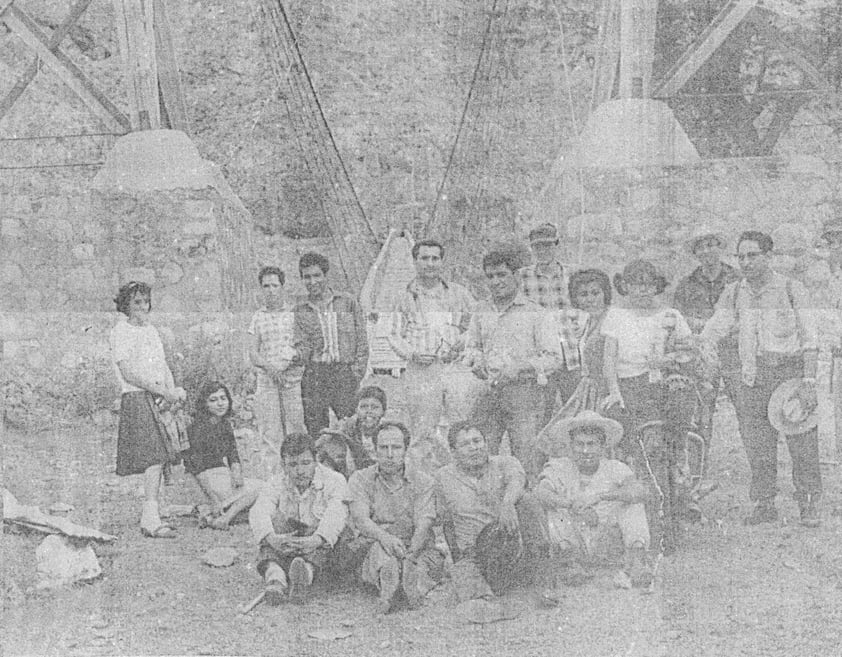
777,340
393,508
595,506
297,520
478,489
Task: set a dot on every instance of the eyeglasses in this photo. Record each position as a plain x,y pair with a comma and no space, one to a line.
749,256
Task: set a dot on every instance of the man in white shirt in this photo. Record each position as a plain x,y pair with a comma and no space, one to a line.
297,520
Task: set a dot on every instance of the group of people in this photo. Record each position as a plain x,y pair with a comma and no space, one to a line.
572,380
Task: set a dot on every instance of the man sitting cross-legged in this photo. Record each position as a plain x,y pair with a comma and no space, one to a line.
393,507
478,490
297,520
595,505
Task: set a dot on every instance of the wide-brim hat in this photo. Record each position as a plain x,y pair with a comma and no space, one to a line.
557,436
703,233
786,413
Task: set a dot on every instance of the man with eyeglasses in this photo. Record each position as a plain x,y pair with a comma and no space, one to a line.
777,341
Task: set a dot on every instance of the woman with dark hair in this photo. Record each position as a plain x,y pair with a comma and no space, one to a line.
143,446
638,335
214,461
590,292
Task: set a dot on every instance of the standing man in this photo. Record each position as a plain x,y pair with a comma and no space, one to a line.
695,298
513,345
428,326
777,340
277,400
330,337
296,520
546,283
393,507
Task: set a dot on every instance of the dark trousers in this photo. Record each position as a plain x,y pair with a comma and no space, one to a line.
326,387
560,387
761,439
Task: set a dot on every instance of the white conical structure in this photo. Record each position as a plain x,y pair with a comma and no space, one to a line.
630,132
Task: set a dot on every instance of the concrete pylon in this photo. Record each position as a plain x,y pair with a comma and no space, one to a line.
630,132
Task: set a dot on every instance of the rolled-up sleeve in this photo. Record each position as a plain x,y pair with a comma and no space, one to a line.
266,506
336,512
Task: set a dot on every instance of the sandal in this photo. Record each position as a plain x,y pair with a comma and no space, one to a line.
161,531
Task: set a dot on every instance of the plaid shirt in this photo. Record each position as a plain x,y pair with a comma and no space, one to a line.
430,321
546,289
274,331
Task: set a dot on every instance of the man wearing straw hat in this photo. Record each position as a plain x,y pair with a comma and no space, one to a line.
595,505
777,341
695,298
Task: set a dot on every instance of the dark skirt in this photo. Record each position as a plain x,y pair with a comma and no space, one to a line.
141,442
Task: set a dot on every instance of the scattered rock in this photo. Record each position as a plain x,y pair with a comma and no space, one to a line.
60,563
220,557
483,611
329,634
621,580
61,507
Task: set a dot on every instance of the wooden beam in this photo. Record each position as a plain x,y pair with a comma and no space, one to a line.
64,68
134,21
704,46
608,53
169,79
32,68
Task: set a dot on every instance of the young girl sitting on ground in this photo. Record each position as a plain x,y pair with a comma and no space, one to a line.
214,461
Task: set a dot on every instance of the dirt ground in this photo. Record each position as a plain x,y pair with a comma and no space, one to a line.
729,590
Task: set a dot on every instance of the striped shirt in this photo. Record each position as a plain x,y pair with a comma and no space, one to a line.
430,321
333,332
274,331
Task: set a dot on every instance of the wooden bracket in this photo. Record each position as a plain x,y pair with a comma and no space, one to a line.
63,67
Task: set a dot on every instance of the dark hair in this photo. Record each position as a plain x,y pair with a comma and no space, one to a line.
206,391
392,424
458,427
126,293
313,260
497,258
640,271
585,277
372,392
589,429
297,443
763,240
416,248
270,271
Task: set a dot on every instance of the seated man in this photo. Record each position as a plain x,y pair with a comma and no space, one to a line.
478,490
595,506
349,445
393,507
297,520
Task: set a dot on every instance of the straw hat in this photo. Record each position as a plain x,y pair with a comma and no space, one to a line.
559,434
786,411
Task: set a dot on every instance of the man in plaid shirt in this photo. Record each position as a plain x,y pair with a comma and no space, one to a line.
277,400
546,283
